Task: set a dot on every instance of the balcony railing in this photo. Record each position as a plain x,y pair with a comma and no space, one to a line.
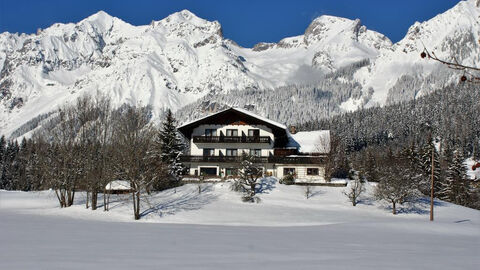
270,159
225,159
231,139
296,160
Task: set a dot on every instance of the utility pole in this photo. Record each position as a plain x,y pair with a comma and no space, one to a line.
431,186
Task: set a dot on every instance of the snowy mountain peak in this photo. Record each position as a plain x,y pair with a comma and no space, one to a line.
186,25
181,58
99,16
186,17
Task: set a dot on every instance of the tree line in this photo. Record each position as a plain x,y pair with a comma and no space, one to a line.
402,142
90,145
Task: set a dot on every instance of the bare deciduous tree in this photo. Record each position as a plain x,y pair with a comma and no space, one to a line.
470,73
355,189
308,191
133,137
396,182
61,160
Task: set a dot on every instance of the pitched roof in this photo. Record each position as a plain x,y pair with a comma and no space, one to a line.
238,110
232,116
317,141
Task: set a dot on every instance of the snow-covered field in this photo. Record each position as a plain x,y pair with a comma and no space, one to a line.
215,230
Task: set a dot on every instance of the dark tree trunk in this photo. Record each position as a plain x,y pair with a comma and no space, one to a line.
94,199
70,196
137,214
394,209
136,204
252,188
105,202
88,199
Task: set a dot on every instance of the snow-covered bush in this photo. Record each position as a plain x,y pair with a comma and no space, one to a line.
288,179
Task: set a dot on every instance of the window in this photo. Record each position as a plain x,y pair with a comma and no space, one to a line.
210,132
232,132
287,171
312,171
254,132
208,171
232,152
256,152
208,152
231,171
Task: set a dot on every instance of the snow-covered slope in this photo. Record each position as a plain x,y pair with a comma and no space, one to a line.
217,204
175,61
216,230
452,35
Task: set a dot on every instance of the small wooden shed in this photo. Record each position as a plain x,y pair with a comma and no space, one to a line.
118,187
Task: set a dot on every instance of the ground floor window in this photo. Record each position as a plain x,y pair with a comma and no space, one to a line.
312,171
287,171
231,171
208,171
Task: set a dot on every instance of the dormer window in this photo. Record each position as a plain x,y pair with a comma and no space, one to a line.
210,132
232,132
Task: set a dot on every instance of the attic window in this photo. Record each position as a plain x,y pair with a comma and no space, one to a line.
232,132
253,132
210,132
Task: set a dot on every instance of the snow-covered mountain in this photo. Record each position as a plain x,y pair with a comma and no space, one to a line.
181,58
398,70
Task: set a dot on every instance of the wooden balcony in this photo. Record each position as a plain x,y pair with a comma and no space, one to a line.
270,159
231,139
296,159
220,159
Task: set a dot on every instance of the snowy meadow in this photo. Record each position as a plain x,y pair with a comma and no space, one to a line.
214,229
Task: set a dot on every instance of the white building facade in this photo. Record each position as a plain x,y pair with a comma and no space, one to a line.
218,142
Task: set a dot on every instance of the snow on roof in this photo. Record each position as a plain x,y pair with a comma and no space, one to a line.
317,141
238,110
260,117
118,185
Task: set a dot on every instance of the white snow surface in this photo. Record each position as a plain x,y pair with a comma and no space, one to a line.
472,174
215,230
317,141
174,61
118,185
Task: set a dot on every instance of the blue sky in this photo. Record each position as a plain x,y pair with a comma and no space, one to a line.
246,22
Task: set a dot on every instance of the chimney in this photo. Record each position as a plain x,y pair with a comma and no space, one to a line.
293,129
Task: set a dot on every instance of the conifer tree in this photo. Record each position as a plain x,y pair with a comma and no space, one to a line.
3,149
250,172
166,151
370,170
20,175
456,187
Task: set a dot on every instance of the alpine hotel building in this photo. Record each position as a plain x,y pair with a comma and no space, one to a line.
218,141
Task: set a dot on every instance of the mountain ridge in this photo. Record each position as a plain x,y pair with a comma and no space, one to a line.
175,61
